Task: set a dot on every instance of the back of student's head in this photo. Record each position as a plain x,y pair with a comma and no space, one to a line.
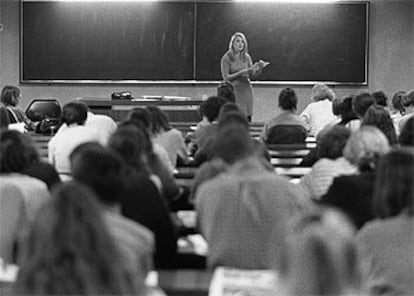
347,113
211,107
361,103
9,95
226,91
288,99
233,118
74,112
365,146
321,92
380,98
394,186
379,117
159,120
397,101
100,169
321,256
17,152
407,133
409,100
130,143
333,141
233,143
226,108
141,117
69,250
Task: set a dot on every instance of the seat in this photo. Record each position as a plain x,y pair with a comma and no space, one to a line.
47,112
39,109
286,134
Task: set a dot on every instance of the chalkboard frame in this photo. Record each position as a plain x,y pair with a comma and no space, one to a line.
191,81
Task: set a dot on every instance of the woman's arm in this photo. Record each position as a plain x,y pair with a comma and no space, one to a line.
225,70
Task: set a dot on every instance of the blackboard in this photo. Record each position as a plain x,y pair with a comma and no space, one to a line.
303,42
107,40
183,41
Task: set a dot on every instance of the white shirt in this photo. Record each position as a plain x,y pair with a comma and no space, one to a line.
105,125
173,143
65,141
317,115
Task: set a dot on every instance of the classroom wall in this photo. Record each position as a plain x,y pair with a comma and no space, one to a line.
390,63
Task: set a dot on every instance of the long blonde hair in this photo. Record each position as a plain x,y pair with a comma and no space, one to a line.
245,50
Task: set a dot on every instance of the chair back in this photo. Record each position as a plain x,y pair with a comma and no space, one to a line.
39,109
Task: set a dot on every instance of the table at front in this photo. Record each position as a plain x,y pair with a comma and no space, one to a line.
176,110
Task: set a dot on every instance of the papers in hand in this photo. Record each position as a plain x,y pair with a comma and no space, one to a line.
258,66
231,281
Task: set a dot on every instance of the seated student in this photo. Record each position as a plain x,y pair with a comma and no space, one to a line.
286,127
141,201
102,171
74,115
226,91
243,213
70,251
141,117
360,104
408,109
386,245
407,134
4,117
379,117
331,163
211,109
353,194
397,109
321,257
319,113
10,96
103,124
380,98
15,158
346,112
169,138
13,220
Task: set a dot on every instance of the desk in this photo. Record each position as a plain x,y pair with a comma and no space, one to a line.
177,110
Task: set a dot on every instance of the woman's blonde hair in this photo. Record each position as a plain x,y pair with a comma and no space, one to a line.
365,146
245,50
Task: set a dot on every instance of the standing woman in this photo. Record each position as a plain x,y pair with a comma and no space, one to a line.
236,68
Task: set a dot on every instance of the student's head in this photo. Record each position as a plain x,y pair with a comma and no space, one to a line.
100,169
74,112
141,117
227,108
4,117
10,95
409,102
336,106
347,113
145,139
130,143
361,103
321,256
322,92
69,250
397,101
288,99
394,186
159,120
211,107
17,152
226,91
377,116
407,133
237,38
365,146
233,143
234,117
380,98
332,142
